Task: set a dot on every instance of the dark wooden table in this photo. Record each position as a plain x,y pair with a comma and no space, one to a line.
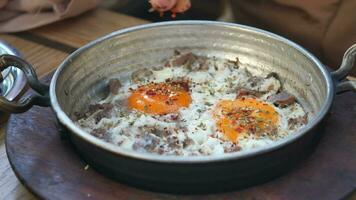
45,48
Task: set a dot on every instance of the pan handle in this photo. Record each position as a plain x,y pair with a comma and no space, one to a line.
339,76
24,104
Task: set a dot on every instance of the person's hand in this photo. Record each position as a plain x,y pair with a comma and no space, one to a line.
175,6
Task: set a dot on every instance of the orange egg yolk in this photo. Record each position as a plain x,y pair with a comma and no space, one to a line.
245,116
159,98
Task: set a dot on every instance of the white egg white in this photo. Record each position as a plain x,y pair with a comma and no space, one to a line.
207,88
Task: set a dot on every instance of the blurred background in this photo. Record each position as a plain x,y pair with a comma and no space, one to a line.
201,9
324,27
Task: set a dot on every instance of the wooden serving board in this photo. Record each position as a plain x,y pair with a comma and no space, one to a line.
45,48
49,166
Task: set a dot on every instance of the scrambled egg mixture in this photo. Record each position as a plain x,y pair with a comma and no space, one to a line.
194,105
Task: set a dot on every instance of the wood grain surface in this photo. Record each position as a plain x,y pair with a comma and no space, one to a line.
50,167
44,60
86,28
45,48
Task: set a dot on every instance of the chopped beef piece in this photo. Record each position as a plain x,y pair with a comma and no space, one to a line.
282,99
96,107
232,148
275,76
297,122
182,59
114,85
160,150
141,75
190,60
200,64
161,133
181,82
233,64
99,132
101,115
148,142
270,131
93,108
264,84
247,92
178,152
205,150
103,111
187,142
173,142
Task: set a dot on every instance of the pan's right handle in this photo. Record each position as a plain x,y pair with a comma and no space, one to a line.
24,104
339,76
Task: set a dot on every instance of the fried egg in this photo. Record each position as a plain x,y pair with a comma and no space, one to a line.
193,105
159,98
245,116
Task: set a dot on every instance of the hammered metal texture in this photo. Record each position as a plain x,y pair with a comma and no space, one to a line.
89,71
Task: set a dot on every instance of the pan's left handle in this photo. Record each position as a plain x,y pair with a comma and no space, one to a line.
25,103
339,76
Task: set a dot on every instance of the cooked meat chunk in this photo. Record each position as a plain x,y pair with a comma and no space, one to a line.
282,99
247,92
146,141
101,110
270,131
141,75
270,83
190,60
101,115
183,83
93,108
114,85
174,143
298,121
96,107
99,132
155,130
232,148
201,63
187,142
182,59
233,64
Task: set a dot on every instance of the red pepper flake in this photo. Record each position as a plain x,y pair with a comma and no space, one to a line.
151,92
239,129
